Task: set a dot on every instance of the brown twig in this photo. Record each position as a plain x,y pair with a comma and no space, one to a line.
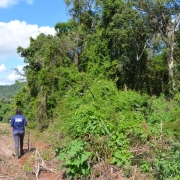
4,177
85,87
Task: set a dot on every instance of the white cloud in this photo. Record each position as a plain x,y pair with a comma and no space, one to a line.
2,67
13,34
13,76
16,33
30,1
19,69
8,3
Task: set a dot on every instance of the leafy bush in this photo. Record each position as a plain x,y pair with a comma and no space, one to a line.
75,158
119,143
166,163
112,122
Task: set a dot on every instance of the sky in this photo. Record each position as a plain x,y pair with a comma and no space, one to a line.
20,20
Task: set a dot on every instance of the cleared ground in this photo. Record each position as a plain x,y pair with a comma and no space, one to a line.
38,163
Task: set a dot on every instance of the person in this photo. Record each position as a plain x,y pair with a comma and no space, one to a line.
18,123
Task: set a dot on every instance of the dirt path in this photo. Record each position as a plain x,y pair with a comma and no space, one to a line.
37,164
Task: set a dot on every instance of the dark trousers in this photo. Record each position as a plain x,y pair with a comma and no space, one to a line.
18,139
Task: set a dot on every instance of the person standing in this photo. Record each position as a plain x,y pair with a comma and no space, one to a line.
18,123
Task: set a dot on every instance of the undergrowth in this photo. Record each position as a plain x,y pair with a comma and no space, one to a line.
123,128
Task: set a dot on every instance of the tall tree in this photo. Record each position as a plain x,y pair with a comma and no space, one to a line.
84,15
126,35
164,18
45,57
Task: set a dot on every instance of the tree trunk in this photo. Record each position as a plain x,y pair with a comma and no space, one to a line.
171,36
171,65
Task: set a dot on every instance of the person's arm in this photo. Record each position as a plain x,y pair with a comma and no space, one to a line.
25,122
12,122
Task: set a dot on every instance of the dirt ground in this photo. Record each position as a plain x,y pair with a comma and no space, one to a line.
39,162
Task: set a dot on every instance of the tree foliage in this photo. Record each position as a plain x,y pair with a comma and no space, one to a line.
108,80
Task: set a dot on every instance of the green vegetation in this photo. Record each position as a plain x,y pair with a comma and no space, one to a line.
5,107
106,87
7,92
122,128
75,159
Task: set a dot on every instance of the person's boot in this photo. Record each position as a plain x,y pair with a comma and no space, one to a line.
21,151
17,153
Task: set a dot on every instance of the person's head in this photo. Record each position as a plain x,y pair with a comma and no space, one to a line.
18,111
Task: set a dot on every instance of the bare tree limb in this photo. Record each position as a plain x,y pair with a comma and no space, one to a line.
87,87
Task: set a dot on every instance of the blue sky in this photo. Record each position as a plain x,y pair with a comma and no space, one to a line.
19,20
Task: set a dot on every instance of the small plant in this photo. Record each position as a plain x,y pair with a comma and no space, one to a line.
28,167
119,144
75,158
145,167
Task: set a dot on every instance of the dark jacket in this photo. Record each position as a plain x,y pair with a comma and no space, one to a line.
18,122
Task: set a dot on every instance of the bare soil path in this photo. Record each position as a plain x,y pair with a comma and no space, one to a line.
37,164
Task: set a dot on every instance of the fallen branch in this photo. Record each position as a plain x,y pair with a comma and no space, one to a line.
40,164
138,150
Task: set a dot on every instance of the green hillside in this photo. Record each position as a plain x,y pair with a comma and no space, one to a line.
8,91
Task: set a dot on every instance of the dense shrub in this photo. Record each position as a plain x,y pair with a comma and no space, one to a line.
113,123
